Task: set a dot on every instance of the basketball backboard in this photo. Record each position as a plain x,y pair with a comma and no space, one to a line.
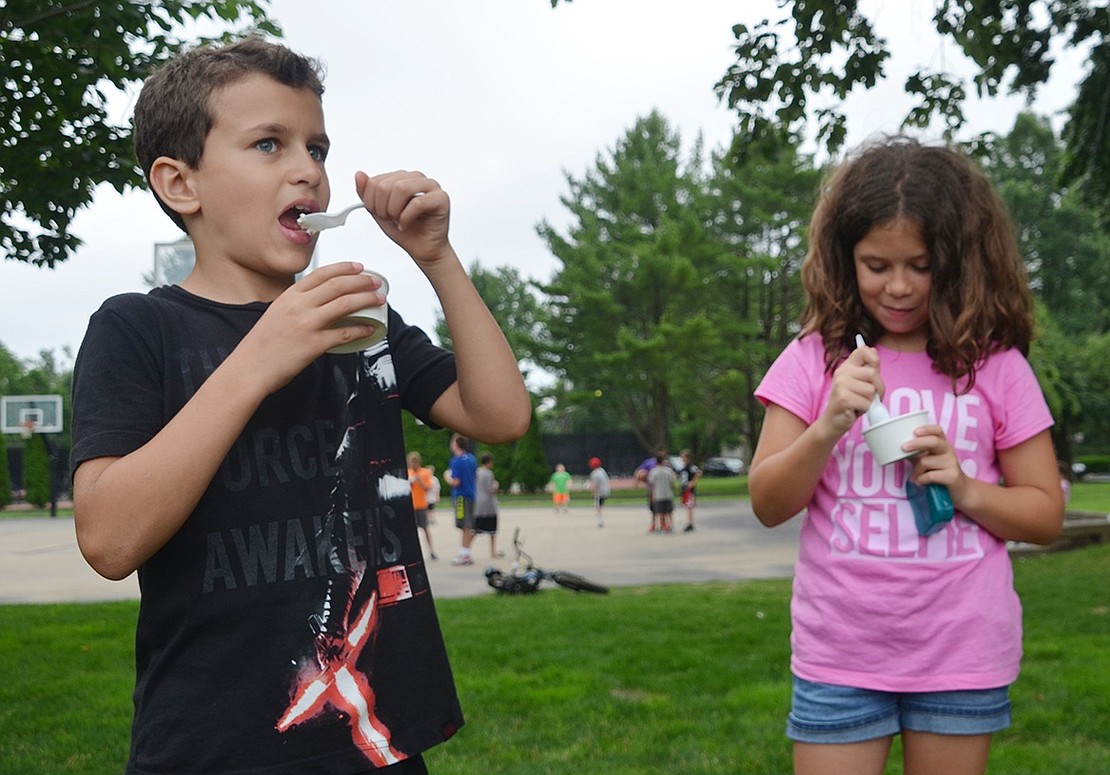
17,411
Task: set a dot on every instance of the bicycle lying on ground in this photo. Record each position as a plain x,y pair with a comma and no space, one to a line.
524,577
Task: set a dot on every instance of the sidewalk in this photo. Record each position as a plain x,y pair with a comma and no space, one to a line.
40,562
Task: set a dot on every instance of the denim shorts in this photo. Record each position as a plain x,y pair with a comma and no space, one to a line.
823,713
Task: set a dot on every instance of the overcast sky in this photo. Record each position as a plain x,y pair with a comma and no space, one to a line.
497,100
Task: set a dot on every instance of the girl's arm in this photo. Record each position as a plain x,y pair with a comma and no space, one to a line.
1028,506
787,465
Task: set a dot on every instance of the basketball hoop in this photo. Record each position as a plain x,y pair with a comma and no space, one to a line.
27,429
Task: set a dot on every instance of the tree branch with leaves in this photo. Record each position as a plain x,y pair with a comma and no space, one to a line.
828,48
61,62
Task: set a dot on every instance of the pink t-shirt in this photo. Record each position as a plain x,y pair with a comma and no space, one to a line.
876,605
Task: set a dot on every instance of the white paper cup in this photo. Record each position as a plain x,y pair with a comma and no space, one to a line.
886,438
378,317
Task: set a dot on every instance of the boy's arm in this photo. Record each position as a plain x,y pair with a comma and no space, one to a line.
126,508
488,401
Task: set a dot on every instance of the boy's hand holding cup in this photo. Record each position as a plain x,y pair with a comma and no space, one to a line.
376,316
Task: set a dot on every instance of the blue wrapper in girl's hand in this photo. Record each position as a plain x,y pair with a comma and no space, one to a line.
932,506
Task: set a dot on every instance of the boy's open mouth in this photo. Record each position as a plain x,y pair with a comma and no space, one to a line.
288,219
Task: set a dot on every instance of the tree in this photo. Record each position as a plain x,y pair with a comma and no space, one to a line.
36,471
761,205
627,306
824,49
432,444
49,374
1093,358
1062,373
61,61
1059,235
5,475
513,302
529,466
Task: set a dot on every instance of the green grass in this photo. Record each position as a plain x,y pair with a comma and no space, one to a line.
1090,496
660,679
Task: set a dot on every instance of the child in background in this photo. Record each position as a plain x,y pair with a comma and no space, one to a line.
660,481
421,480
462,476
485,503
433,495
599,486
256,481
896,633
688,477
560,488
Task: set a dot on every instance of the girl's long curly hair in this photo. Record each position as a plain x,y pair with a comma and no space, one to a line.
979,301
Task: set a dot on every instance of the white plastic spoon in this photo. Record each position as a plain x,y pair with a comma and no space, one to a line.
877,412
317,222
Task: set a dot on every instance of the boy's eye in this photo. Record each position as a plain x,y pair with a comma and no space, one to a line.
318,152
269,145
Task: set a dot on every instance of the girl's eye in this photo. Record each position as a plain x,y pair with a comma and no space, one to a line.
269,145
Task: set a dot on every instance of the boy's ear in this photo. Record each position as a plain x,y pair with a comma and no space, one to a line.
171,180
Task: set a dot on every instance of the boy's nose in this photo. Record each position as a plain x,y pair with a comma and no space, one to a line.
306,169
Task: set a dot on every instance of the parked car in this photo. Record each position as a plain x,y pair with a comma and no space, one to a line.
723,466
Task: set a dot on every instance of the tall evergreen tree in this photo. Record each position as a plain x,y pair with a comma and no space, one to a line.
627,307
36,471
1060,237
529,466
760,208
5,475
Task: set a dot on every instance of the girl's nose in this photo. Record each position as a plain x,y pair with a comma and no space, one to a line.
899,284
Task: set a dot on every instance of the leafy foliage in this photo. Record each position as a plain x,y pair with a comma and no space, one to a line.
5,476
36,471
1066,252
1059,234
512,301
761,204
677,287
529,466
62,62
49,374
626,307
827,48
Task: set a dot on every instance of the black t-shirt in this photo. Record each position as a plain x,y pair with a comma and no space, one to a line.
686,476
288,626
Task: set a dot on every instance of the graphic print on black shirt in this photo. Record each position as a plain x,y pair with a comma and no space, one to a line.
330,681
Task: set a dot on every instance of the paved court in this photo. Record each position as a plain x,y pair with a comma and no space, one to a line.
40,562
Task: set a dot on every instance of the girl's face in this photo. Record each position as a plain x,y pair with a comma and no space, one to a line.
894,277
